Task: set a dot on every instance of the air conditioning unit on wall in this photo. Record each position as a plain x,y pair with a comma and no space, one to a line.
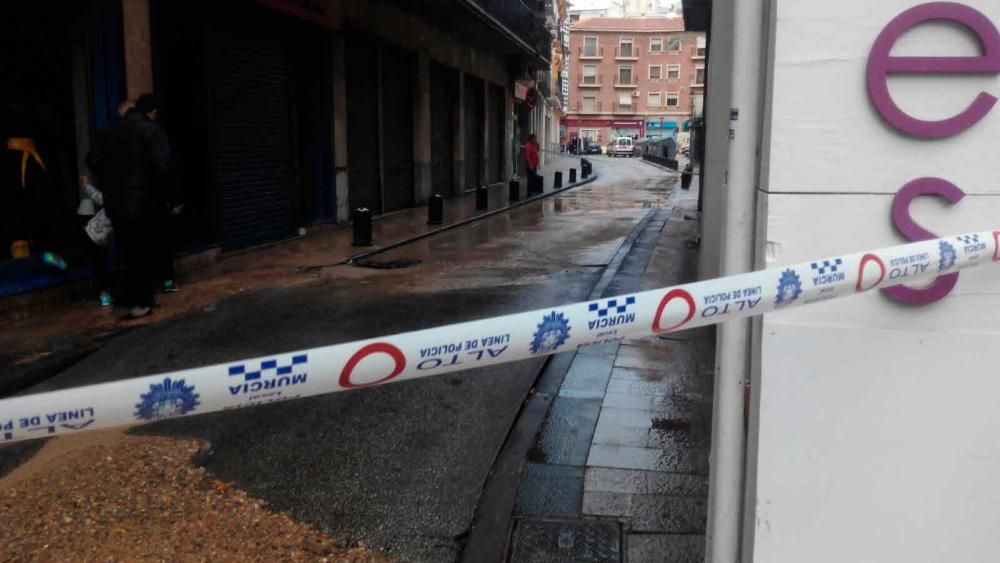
635,93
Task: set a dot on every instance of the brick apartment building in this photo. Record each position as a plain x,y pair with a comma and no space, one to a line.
633,76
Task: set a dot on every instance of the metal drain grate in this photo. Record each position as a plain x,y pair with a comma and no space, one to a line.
566,541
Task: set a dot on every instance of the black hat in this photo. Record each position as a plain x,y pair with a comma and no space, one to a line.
146,103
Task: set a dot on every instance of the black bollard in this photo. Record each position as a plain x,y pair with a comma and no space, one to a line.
572,175
482,199
362,227
515,190
435,210
686,177
557,183
584,167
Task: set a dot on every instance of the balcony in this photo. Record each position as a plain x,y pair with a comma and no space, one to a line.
626,53
595,53
583,108
595,81
625,108
629,83
521,20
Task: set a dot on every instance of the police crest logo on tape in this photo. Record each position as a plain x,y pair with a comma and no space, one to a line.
166,399
550,334
466,352
948,256
265,380
789,288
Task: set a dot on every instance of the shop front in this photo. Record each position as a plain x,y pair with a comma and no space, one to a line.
246,92
603,131
63,79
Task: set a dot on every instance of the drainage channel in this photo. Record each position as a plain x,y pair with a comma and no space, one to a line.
504,529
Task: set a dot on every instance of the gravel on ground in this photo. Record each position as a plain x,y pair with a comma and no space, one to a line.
146,499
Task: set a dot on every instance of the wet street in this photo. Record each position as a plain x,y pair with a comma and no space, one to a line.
400,467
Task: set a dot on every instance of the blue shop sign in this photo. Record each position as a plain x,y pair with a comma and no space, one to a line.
656,124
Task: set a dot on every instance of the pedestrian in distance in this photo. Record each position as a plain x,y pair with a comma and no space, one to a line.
132,166
531,160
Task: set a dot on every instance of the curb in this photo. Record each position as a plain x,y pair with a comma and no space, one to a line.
392,246
660,166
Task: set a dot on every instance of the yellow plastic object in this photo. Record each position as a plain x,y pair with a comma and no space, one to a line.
29,150
20,249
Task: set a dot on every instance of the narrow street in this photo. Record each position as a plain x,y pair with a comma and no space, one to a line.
399,467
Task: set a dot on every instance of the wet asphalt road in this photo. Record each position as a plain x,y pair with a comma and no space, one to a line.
400,467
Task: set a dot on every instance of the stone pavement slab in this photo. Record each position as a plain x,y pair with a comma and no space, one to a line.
550,490
650,513
665,548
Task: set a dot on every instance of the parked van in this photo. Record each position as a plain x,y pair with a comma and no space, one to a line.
622,146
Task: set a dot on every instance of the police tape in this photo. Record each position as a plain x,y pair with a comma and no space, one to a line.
486,342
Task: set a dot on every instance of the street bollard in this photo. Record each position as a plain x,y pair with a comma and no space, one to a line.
515,190
686,176
362,227
435,210
557,183
482,199
572,175
584,168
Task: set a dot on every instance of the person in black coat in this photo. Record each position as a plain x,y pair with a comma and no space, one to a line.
132,166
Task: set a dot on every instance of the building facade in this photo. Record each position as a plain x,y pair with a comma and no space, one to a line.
856,429
283,114
585,9
634,77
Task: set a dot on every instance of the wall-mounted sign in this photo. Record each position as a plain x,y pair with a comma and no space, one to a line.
881,64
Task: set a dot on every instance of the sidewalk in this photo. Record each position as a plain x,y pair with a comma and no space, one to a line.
44,335
627,437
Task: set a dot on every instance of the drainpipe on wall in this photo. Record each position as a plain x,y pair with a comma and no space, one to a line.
738,231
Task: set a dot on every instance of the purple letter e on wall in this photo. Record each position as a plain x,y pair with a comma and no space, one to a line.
881,64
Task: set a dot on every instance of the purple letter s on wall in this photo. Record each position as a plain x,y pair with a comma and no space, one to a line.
881,64
943,285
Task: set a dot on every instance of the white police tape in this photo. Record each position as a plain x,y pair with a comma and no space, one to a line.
482,343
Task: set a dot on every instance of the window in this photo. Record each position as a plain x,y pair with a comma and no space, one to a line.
673,99
654,72
675,44
653,100
625,100
589,104
701,47
573,18
673,72
656,45
625,74
590,74
625,47
589,46
699,76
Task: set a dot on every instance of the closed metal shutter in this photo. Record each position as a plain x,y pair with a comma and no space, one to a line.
474,131
398,69
497,120
251,139
362,124
444,116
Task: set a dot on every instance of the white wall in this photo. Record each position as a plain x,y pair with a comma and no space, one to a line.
877,422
